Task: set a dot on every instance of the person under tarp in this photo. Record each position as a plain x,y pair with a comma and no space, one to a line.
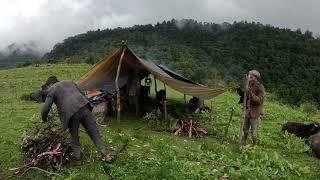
148,83
133,89
197,105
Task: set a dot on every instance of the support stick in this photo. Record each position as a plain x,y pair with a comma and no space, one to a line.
124,48
105,111
155,83
190,129
211,110
244,108
227,129
165,110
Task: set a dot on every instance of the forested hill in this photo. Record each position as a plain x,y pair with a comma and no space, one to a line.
289,61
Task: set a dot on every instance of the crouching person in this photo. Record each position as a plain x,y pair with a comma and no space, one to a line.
74,109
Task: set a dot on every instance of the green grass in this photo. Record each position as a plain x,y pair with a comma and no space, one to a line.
161,155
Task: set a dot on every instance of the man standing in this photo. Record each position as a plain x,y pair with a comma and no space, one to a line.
148,83
254,106
134,85
73,108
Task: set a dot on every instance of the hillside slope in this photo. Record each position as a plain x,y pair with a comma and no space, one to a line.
160,155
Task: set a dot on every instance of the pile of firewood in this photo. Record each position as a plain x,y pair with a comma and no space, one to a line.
189,128
46,148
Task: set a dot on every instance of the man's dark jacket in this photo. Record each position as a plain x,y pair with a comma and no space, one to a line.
68,99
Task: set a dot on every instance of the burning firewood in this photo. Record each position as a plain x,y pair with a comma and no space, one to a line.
189,128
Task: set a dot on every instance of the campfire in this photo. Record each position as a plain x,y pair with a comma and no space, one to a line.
189,128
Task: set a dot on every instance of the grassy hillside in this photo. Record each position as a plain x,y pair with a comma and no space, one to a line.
161,155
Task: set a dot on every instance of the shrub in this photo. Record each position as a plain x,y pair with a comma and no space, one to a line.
309,108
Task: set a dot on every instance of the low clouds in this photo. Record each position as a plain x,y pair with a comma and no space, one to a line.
57,20
286,13
48,22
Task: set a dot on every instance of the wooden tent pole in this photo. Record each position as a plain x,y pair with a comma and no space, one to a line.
165,110
165,103
155,83
117,85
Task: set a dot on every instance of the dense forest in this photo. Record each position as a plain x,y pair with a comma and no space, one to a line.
214,54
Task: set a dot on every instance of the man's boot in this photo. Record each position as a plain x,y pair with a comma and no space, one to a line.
107,158
76,155
254,141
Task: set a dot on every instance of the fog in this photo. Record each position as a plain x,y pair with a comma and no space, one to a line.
44,22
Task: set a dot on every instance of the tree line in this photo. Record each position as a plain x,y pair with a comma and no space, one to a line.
213,54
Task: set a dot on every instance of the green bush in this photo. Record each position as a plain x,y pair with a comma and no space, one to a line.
309,108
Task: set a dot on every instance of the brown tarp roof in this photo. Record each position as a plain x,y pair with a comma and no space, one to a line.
103,74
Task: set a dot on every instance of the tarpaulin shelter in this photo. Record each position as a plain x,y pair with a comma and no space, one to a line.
113,72
103,75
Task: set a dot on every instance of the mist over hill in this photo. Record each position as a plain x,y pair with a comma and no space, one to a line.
289,61
17,54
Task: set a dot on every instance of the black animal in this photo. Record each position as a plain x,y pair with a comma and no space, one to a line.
314,142
241,94
309,132
301,130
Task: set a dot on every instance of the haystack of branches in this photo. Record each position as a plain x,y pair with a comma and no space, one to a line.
46,148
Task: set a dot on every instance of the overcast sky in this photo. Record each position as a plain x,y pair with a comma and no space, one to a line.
48,22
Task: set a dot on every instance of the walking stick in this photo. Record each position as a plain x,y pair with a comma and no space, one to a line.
244,108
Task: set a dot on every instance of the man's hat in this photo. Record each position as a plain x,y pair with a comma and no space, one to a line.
52,80
255,73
